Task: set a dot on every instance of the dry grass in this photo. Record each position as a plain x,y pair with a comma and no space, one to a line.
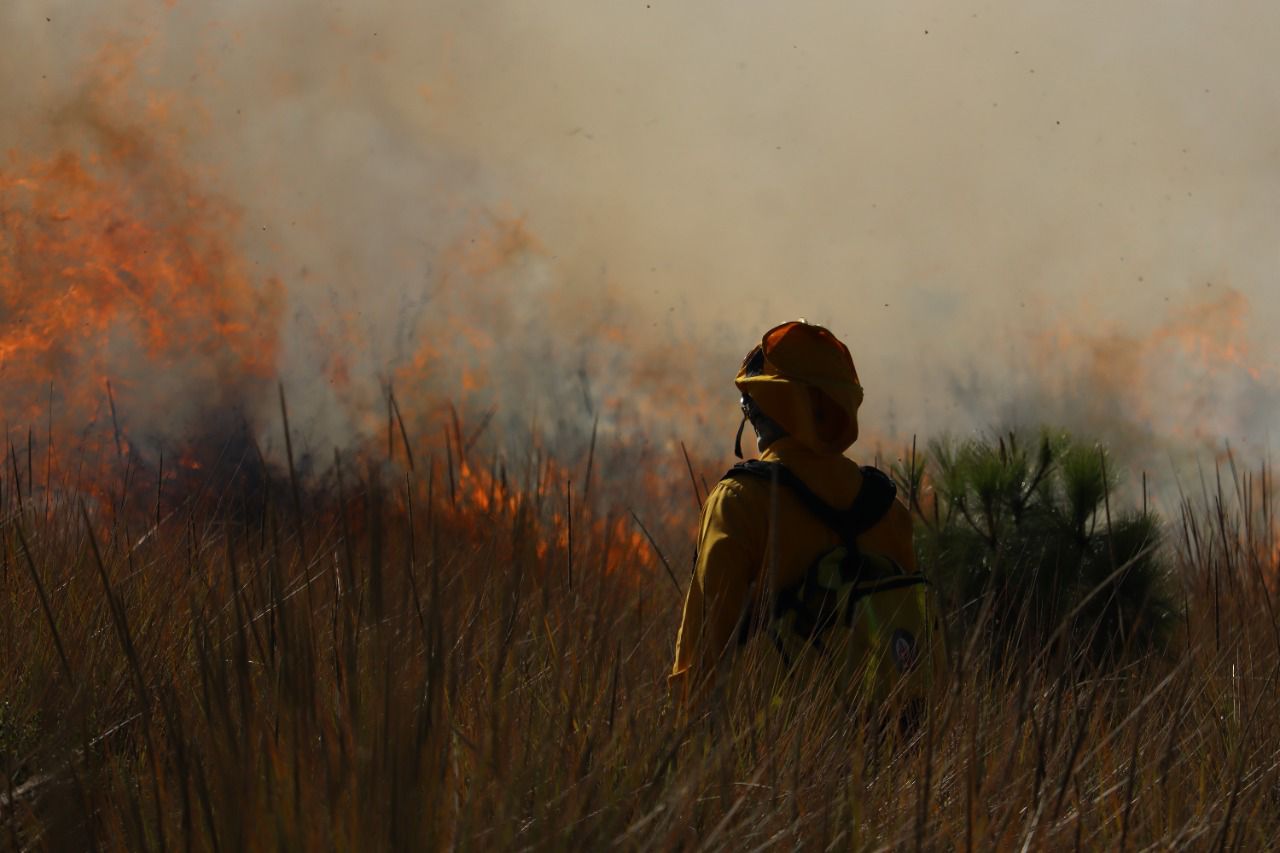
390,666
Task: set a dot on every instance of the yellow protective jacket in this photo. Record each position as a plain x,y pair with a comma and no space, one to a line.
734,551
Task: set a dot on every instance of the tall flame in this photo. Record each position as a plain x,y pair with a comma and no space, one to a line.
111,275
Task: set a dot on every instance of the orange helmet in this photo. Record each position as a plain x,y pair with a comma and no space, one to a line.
803,377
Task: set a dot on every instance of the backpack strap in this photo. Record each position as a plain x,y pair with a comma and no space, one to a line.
869,505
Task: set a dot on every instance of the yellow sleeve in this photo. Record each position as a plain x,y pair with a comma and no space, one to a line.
730,548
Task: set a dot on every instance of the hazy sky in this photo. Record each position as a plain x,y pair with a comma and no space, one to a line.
980,197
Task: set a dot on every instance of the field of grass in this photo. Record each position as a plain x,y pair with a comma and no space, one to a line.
434,657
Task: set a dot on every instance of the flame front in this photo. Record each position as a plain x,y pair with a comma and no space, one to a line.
115,270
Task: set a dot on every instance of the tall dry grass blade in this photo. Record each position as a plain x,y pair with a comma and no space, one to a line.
591,458
925,785
1132,782
697,498
459,441
375,521
1106,503
295,490
404,433
17,477
4,542
662,557
913,498
115,424
453,485
613,684
1082,732
485,420
48,456
411,562
344,525
159,486
568,520
206,802
492,504
177,737
120,620
44,604
391,427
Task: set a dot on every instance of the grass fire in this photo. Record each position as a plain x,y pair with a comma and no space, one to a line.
369,378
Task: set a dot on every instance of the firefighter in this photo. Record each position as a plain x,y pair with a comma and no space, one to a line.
800,394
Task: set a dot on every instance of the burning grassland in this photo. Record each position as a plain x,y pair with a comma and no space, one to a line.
389,551
140,341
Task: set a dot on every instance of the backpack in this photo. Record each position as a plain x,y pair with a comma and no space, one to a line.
855,605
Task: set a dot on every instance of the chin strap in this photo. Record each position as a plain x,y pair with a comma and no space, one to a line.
737,442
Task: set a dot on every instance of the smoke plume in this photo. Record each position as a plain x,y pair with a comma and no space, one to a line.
561,212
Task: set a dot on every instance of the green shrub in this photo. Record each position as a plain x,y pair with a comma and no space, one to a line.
1025,544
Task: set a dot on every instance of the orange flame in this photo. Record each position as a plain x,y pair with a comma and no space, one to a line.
100,274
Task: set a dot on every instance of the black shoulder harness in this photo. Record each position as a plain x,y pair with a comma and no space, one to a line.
869,506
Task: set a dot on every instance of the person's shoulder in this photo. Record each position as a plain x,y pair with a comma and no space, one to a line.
737,491
735,485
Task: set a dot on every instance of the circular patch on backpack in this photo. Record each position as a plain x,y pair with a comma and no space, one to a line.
903,645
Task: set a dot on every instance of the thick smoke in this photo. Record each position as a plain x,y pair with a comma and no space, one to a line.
563,209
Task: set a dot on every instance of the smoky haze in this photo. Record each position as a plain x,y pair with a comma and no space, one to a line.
1011,211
